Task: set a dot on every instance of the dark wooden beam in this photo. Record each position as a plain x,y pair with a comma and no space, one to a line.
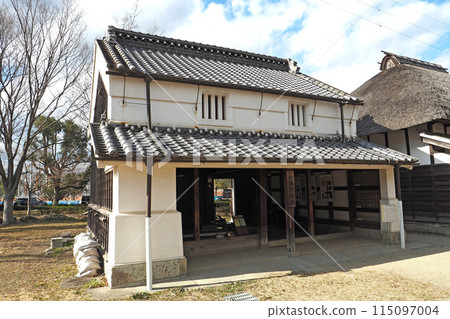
289,204
386,139
351,199
262,225
408,146
196,205
310,203
430,129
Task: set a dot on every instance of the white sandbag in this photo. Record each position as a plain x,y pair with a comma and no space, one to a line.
88,265
83,244
87,252
90,273
81,240
78,244
85,258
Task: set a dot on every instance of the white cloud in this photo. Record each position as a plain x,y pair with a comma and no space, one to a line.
327,37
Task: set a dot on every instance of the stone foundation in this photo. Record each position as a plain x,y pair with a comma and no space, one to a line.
381,235
126,275
394,237
429,228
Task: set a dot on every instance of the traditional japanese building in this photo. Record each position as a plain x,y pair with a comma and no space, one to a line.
407,108
192,114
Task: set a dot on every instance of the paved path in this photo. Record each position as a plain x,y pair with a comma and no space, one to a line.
426,258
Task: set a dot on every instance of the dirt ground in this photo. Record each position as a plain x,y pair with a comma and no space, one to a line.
27,273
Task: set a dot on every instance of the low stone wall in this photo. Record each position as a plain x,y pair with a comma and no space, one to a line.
127,275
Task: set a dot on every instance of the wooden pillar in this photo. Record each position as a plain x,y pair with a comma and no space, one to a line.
262,226
289,204
310,203
196,205
351,198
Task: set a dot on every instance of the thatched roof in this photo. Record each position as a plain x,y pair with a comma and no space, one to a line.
401,96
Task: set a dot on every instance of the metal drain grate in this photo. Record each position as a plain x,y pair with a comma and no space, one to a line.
242,296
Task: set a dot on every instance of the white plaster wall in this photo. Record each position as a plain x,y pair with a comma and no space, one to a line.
438,156
98,70
129,189
127,237
388,196
127,222
419,149
174,104
164,188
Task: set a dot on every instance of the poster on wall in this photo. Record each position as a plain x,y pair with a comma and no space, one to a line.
299,187
326,187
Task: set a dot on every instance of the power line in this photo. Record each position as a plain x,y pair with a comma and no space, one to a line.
388,28
345,32
411,23
421,13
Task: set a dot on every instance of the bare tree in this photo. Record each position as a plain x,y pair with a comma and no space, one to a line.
129,20
43,55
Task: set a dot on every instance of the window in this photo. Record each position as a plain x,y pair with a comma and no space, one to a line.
213,107
101,187
297,115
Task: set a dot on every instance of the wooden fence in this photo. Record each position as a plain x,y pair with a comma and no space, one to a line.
426,193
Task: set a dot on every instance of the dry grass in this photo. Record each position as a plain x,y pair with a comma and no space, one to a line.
26,273
355,285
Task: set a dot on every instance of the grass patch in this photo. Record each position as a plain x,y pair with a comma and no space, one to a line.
141,296
96,283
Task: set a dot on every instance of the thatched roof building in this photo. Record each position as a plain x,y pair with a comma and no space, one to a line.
407,92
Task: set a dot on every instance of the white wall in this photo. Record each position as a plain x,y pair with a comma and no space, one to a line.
418,148
397,141
174,104
127,221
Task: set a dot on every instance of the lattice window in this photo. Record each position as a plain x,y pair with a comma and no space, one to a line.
101,187
297,115
213,107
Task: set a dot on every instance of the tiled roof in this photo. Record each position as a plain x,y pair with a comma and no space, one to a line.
118,141
416,62
164,58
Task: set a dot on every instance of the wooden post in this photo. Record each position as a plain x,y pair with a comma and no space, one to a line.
351,199
262,227
196,205
289,204
310,203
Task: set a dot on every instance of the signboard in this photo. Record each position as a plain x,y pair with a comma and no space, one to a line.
300,184
389,213
290,189
326,187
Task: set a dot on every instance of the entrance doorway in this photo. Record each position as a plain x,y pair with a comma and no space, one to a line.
228,203
224,199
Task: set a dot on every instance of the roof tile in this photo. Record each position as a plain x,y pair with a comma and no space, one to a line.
171,59
117,141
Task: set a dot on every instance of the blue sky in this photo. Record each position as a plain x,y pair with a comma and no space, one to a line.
336,41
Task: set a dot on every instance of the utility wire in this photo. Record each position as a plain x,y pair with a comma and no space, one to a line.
411,23
388,28
421,13
345,32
